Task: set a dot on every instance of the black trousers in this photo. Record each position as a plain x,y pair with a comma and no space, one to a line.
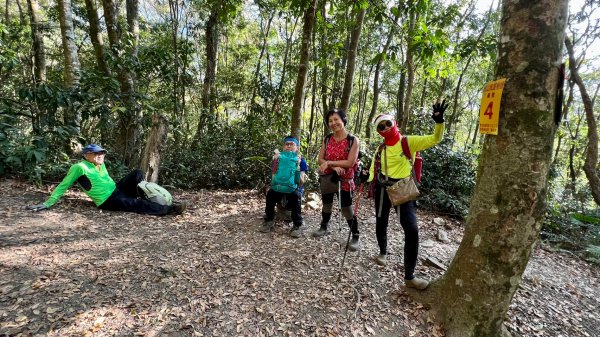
293,200
408,220
126,197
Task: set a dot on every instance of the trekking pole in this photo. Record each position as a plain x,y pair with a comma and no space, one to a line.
339,196
350,229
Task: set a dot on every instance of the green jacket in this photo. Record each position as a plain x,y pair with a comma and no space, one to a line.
398,166
102,185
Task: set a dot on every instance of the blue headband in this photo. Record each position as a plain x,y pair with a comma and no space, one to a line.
291,139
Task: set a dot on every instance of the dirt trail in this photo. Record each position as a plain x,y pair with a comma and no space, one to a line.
75,270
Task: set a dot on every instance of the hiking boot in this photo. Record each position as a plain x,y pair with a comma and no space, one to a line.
296,232
178,207
354,244
381,259
267,227
417,283
320,232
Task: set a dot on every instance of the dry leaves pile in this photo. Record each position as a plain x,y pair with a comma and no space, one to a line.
75,270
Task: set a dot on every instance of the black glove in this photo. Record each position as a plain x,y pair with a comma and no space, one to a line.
364,176
438,111
36,208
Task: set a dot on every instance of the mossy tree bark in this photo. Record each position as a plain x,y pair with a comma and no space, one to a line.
507,208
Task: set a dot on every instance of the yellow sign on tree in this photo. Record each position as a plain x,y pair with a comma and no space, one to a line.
490,107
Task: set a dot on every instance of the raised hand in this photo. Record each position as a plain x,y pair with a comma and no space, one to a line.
438,111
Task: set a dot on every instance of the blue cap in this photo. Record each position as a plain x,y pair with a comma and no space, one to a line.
291,139
92,148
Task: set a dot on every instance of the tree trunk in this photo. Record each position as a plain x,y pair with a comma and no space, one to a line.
155,145
288,46
128,129
96,36
376,88
410,72
324,69
112,24
508,205
400,96
351,59
309,22
72,66
39,62
21,15
260,55
174,16
208,87
37,39
591,154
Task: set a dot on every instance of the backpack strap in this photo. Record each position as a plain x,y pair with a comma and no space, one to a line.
326,142
406,151
350,137
405,148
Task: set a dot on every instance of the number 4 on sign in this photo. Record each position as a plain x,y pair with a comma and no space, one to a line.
489,111
490,107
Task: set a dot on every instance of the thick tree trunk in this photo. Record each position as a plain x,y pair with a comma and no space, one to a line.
131,134
72,66
96,36
351,59
128,135
591,154
37,39
155,145
410,72
508,205
309,22
112,24
72,70
208,87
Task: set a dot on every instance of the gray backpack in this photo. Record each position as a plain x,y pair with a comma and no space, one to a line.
156,193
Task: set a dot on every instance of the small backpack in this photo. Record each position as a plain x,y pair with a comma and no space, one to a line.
418,162
284,173
156,193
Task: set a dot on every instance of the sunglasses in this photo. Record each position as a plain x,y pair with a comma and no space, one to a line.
383,124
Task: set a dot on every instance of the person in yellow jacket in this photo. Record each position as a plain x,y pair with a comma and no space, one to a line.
399,167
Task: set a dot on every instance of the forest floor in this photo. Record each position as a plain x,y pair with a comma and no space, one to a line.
76,270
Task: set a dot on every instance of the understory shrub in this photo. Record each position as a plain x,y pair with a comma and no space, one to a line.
448,180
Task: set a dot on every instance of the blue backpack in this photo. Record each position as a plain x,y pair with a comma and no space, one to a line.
284,176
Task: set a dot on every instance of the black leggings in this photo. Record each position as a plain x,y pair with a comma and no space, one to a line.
125,198
408,220
346,203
